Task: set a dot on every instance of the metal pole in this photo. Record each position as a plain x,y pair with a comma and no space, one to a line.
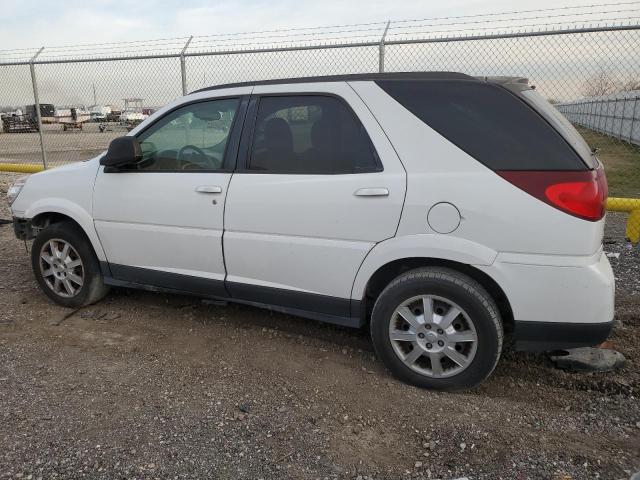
613,116
633,119
615,110
601,113
36,99
381,48
183,66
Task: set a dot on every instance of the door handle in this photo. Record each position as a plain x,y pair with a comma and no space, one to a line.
209,189
372,192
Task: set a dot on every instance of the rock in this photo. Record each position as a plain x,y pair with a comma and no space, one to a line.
92,314
588,359
418,464
244,407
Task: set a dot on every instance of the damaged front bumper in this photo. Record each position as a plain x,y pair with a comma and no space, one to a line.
23,228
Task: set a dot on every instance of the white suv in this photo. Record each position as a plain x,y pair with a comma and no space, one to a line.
441,210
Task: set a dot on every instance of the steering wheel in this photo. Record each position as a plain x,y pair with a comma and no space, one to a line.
186,164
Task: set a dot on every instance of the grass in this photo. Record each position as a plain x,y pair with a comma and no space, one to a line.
621,161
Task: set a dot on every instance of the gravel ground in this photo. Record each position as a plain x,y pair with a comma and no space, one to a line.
147,385
62,147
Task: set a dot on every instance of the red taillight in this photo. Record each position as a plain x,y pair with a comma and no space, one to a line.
582,194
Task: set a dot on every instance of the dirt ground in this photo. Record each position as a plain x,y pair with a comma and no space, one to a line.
146,385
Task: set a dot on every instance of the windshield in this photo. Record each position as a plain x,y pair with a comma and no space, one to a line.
562,125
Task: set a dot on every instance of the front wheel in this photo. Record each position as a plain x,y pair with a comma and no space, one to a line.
437,328
66,267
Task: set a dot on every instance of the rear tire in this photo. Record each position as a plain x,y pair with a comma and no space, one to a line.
66,267
437,328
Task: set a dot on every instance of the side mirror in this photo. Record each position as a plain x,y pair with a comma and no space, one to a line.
121,151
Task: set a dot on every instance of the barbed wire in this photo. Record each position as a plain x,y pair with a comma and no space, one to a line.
323,35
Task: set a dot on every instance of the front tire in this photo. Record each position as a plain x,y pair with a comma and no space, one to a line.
66,267
437,328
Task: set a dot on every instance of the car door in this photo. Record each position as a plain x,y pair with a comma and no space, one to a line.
317,185
160,221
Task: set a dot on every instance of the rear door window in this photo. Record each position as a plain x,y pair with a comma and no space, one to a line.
488,122
310,134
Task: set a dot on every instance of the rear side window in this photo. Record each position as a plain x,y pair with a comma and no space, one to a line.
310,134
487,122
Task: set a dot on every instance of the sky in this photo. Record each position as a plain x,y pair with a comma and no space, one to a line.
560,66
31,23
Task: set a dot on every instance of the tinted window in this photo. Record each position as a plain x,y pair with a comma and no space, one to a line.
488,122
310,134
561,124
193,137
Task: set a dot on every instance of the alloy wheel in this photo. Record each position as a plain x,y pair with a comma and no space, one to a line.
61,267
433,336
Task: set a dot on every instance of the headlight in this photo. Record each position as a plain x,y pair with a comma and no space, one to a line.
15,189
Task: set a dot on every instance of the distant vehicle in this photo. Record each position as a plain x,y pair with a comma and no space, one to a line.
131,116
47,112
441,211
114,116
19,124
133,113
99,113
72,118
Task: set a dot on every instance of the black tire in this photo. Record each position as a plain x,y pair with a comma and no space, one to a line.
453,286
92,288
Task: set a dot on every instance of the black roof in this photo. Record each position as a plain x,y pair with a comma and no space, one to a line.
350,78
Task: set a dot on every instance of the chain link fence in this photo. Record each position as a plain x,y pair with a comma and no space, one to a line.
98,97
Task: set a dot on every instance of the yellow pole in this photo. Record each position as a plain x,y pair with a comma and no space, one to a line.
632,207
20,167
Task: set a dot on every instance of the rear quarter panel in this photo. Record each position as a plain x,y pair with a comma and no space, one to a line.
495,213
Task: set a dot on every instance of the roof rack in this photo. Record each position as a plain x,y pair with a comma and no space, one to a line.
350,78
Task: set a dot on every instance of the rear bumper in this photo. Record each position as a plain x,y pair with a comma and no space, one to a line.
543,336
566,303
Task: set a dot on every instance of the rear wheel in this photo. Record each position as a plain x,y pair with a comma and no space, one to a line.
437,328
66,267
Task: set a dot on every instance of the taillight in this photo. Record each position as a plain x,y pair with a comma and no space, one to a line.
582,194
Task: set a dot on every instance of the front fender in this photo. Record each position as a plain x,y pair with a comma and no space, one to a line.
434,246
72,210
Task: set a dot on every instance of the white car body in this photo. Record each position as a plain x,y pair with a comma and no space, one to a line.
294,241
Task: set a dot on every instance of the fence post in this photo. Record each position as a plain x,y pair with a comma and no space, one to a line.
183,66
633,119
381,48
36,99
615,109
600,111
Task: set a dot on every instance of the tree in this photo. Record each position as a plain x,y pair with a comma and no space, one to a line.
630,85
598,85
